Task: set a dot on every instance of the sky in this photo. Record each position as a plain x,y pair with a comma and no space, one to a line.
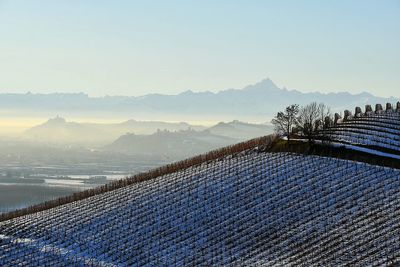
133,47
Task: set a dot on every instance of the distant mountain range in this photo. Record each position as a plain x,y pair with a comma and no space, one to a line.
259,100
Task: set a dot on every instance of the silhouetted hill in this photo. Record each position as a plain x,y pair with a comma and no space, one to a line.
241,130
173,145
58,130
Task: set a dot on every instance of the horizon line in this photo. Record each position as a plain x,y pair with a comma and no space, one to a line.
30,92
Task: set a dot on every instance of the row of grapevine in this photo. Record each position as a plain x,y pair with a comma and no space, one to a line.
252,208
261,142
380,131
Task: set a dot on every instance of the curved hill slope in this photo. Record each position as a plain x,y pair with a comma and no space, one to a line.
379,130
252,208
239,206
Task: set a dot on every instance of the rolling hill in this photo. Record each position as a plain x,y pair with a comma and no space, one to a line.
175,145
131,137
377,130
171,145
241,130
58,130
242,205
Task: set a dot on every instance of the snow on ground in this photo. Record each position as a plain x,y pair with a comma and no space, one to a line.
251,209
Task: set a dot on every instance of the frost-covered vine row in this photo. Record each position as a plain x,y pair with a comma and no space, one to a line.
245,209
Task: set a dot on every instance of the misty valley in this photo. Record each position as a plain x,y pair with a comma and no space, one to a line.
102,142
61,157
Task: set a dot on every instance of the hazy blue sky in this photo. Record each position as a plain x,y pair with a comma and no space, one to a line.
136,47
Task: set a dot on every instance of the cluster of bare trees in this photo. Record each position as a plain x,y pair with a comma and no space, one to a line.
307,121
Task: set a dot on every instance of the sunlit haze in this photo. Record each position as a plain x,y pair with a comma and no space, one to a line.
139,47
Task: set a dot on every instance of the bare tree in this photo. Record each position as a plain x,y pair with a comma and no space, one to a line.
308,120
326,119
286,120
314,119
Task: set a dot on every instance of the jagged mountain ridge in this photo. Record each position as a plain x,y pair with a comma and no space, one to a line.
260,99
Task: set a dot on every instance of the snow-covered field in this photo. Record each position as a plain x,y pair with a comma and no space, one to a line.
381,131
255,208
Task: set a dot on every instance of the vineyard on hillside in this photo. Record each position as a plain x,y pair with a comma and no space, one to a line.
242,206
379,130
266,208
